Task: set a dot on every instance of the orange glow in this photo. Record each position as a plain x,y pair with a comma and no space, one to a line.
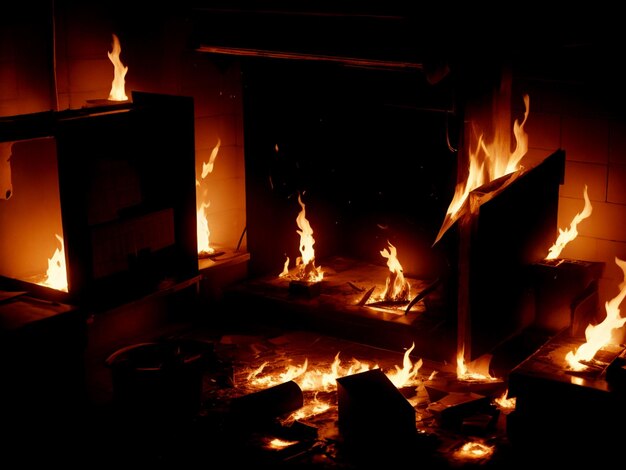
567,235
56,276
202,203
600,335
475,371
118,92
406,375
487,162
397,287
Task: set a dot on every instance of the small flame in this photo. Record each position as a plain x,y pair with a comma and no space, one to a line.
118,92
285,268
280,444
56,276
308,271
314,408
397,287
203,232
504,402
475,371
407,374
599,335
473,450
567,235
487,162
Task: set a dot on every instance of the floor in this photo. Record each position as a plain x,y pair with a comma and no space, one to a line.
225,395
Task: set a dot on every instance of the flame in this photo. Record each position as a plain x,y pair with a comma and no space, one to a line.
314,408
118,92
56,276
203,232
397,288
504,402
599,335
487,162
308,271
280,444
473,450
567,235
285,268
475,371
406,375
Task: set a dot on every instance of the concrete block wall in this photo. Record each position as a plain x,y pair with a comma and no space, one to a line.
579,118
156,51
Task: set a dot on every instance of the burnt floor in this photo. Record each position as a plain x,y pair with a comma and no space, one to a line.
207,429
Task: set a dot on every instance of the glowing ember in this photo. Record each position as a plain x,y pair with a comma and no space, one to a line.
504,402
203,232
475,371
406,375
599,335
56,276
566,236
307,271
118,92
473,450
397,287
487,162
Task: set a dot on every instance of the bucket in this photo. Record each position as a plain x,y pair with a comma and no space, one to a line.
159,379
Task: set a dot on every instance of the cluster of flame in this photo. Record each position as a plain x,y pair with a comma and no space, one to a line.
202,203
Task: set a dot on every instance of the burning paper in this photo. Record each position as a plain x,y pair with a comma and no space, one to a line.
567,235
487,162
118,92
203,232
600,335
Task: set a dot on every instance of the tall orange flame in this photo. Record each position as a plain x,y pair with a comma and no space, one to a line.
487,162
599,335
308,271
203,232
118,92
405,375
567,235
